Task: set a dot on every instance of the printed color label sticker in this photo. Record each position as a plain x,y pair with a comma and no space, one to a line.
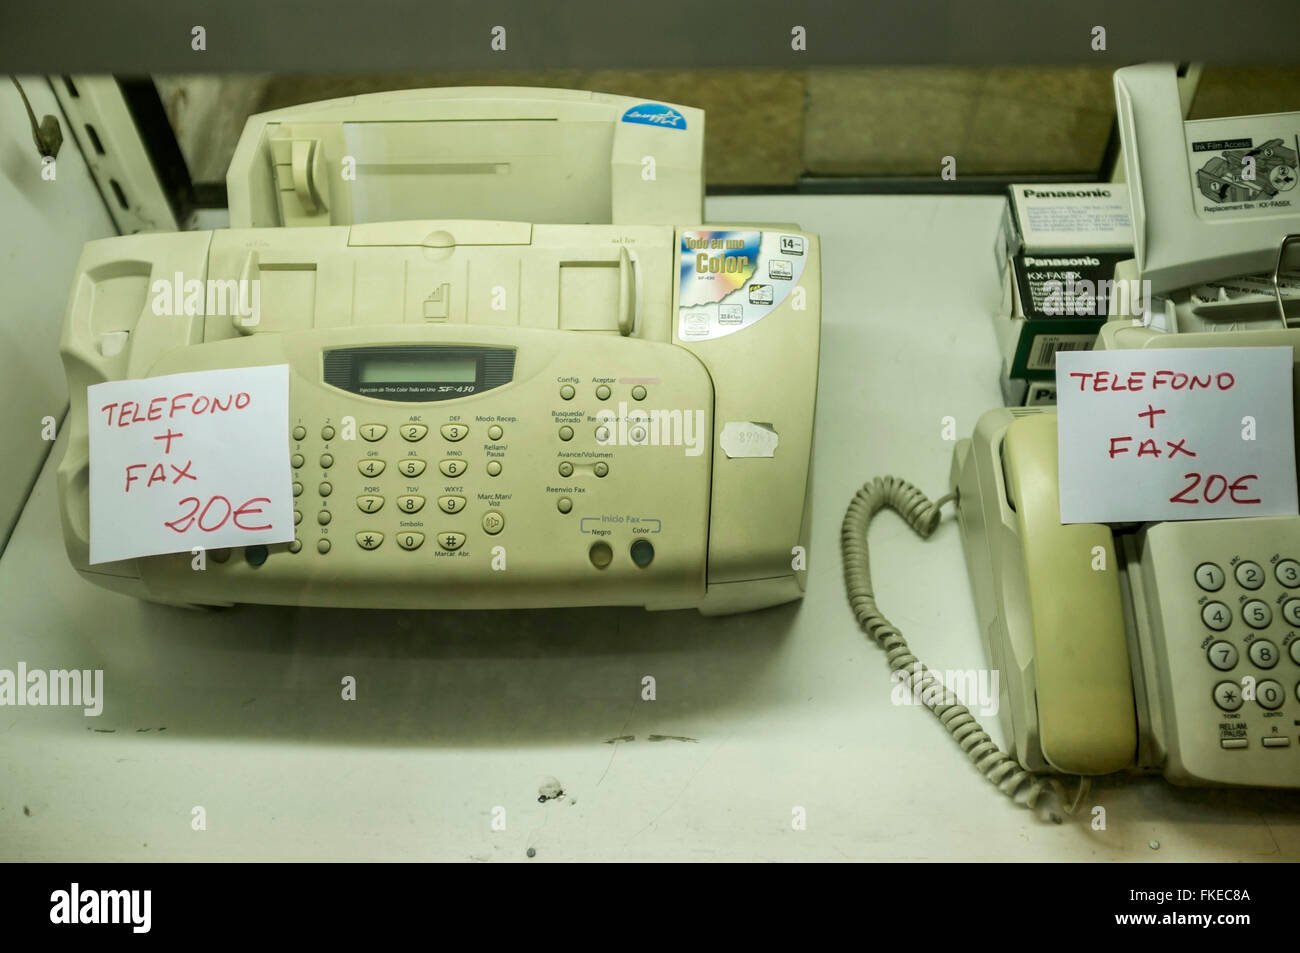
733,279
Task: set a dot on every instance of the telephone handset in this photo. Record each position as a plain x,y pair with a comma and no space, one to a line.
1171,647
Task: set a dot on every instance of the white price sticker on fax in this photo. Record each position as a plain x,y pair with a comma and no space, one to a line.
1175,434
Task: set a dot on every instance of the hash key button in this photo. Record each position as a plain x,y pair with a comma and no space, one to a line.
451,541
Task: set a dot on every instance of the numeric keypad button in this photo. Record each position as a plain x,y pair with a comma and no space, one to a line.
373,432
410,503
369,539
1288,573
454,432
1270,694
452,467
1216,615
1223,656
451,541
413,432
1291,611
1263,653
1257,614
1227,695
370,468
451,504
411,467
370,503
1249,575
409,541
1209,577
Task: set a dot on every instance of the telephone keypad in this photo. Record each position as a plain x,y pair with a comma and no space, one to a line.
1249,575
1209,577
1216,615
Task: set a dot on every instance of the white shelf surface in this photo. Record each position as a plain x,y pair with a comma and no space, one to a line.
458,714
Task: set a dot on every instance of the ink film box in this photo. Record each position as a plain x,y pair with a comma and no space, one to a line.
1064,241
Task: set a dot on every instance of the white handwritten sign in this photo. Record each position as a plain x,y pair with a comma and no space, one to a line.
1175,434
186,460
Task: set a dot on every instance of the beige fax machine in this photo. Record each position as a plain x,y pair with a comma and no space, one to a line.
483,413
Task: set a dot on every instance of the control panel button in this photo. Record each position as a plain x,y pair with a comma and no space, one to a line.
566,468
566,432
1269,694
325,489
1288,573
327,432
494,468
370,503
297,460
297,489
1227,695
1263,653
300,432
1291,611
297,517
493,522
1257,614
1249,575
1234,743
256,555
373,432
1216,615
643,552
410,540
411,466
451,541
638,392
369,467
368,539
413,432
454,432
451,504
495,432
326,460
564,504
567,391
410,503
602,392
295,546
1223,656
600,555
1209,577
1277,741
602,434
601,468
1295,651
450,467
322,546
324,517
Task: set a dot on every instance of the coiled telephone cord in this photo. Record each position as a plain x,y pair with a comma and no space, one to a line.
922,515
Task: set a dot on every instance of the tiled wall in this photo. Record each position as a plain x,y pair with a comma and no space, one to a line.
773,127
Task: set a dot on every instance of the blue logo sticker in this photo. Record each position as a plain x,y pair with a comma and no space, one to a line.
655,114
